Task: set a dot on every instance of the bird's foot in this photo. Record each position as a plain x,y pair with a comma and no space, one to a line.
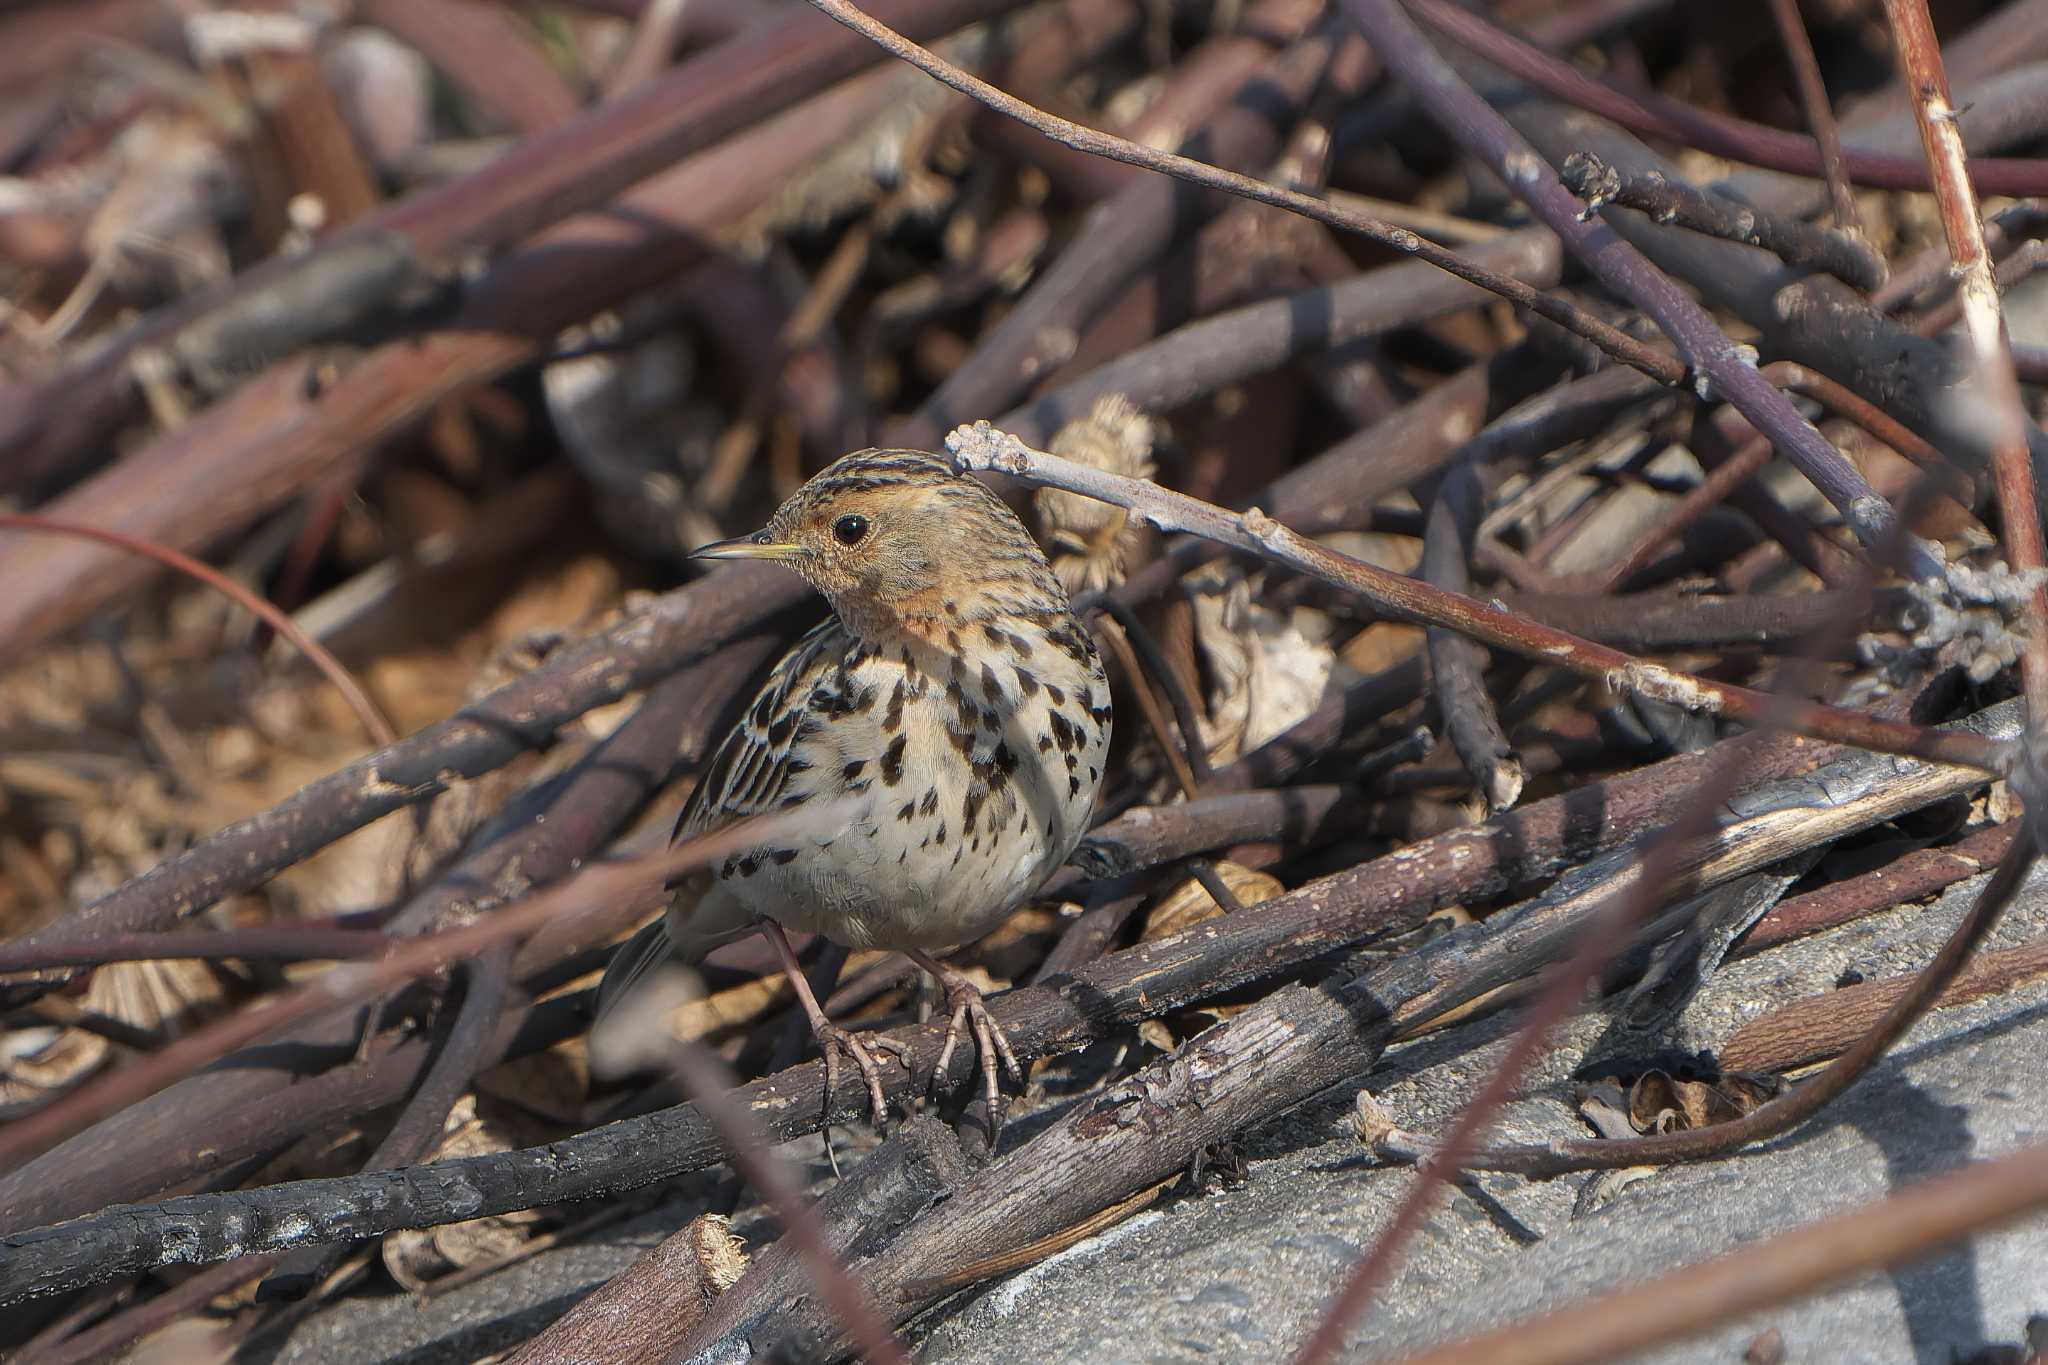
834,1040
969,1013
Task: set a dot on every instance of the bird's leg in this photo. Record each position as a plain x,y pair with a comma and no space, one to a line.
963,998
832,1039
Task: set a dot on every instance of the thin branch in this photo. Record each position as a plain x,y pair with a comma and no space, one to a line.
752,1152
213,1122
1895,1231
601,887
1820,120
257,943
1726,370
641,1314
487,981
573,167
1118,645
1547,1159
1457,672
1651,115
1798,244
105,1341
2012,465
678,630
1818,1027
1598,940
1153,657
1918,874
1612,340
981,447
344,682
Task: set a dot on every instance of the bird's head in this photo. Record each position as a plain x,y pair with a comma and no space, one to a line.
901,543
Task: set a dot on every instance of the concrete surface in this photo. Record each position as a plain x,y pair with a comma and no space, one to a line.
1242,1273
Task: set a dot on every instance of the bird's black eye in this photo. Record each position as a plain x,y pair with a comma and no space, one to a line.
850,529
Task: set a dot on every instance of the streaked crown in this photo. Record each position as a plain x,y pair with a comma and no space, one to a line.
904,545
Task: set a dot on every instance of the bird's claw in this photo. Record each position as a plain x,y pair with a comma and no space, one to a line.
834,1040
990,1045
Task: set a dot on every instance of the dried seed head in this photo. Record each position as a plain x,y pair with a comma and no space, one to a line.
1091,543
1986,610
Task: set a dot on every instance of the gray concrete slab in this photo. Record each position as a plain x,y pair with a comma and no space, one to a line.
1243,1273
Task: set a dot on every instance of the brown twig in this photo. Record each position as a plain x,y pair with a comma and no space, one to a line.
1137,221
1457,673
1787,1112
344,985
1797,244
1902,1228
1596,945
256,943
2012,464
640,1315
212,1122
1820,119
486,988
484,54
1822,1026
981,447
1185,717
1917,874
756,1158
1150,836
1612,340
1656,116
316,653
1724,370
1177,755
105,1340
572,167
674,632
922,1163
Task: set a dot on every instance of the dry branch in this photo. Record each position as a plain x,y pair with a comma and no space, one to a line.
982,447
1299,1041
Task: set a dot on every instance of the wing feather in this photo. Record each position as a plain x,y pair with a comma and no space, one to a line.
749,774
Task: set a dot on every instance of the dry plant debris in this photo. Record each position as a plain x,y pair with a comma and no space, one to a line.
1670,521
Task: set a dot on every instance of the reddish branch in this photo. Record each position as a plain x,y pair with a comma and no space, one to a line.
2012,465
1903,1228
1724,369
331,667
1820,117
604,886
981,447
1610,339
1650,115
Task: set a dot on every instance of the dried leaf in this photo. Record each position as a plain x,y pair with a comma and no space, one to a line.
1182,908
1190,903
1670,1104
1267,669
164,998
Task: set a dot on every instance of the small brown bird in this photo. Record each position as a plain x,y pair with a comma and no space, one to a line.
952,704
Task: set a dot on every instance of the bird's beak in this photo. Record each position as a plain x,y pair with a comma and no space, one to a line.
755,546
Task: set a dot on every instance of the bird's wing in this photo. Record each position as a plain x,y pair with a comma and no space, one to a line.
750,772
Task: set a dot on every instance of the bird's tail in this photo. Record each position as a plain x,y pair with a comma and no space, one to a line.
638,958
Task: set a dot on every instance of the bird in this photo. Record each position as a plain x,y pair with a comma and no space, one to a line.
951,706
